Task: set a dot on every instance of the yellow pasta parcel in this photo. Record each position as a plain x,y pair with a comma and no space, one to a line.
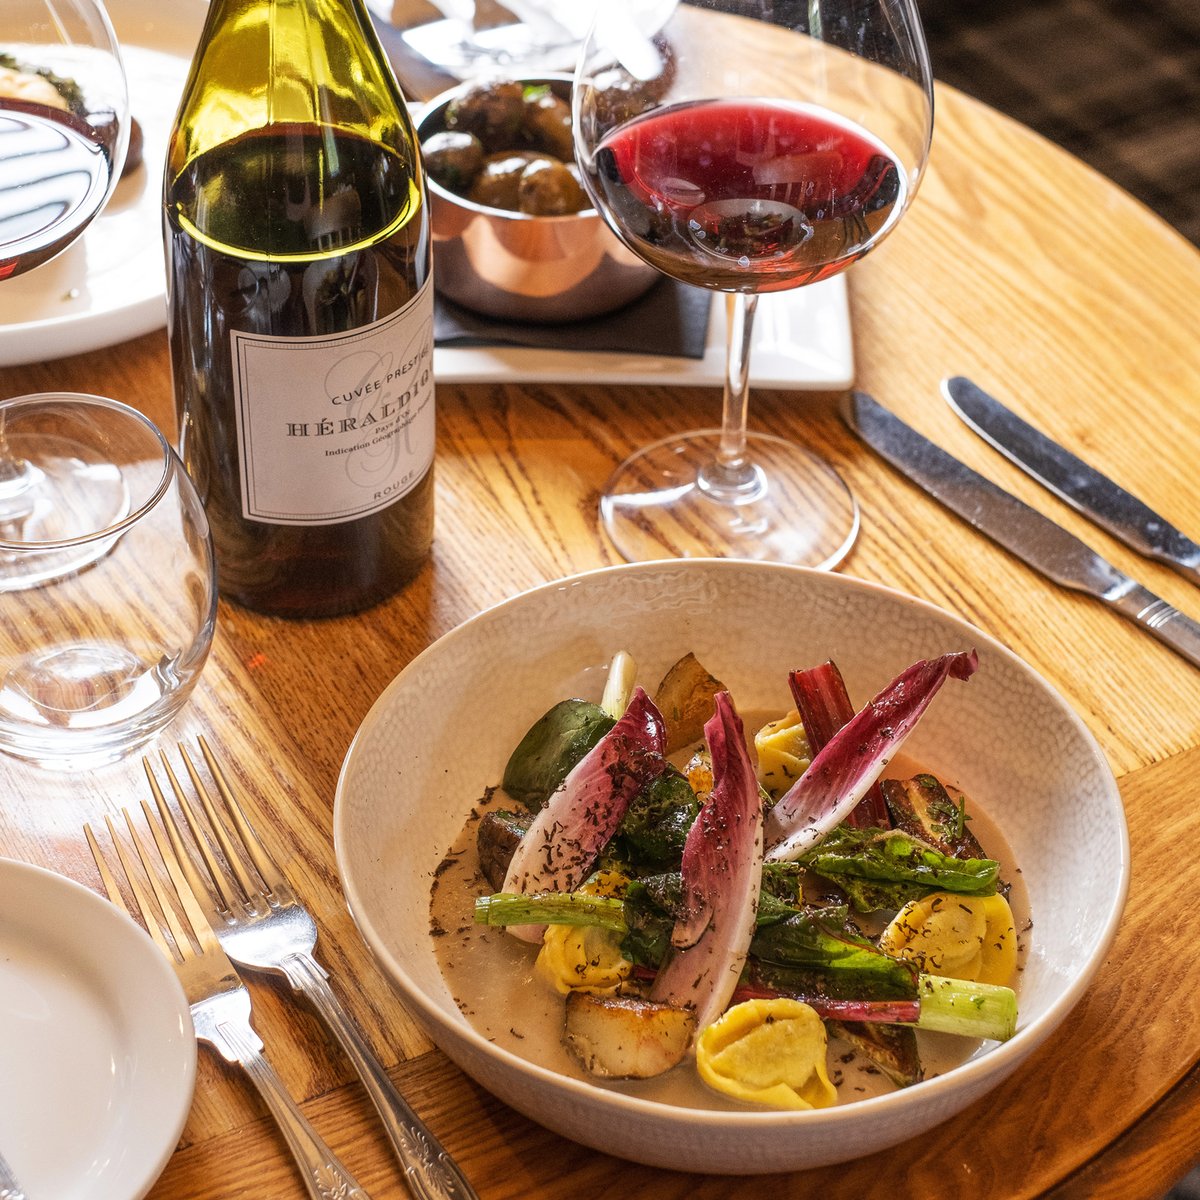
957,937
769,1052
783,753
585,958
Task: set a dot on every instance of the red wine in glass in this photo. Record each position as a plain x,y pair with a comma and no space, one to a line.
54,178
748,195
748,149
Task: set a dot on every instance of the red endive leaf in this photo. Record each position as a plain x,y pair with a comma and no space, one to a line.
722,869
854,758
561,846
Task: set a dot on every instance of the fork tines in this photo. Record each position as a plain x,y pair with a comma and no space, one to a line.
161,915
242,851
268,928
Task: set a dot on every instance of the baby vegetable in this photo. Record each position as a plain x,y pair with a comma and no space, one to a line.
657,821
582,814
722,872
497,841
768,1052
687,699
880,869
853,759
824,706
686,937
925,808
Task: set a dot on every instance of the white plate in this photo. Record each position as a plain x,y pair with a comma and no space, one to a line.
801,340
414,772
97,1050
111,285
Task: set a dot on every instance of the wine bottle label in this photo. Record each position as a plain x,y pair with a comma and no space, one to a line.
336,427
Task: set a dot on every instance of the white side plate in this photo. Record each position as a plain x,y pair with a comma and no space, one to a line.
801,340
97,1049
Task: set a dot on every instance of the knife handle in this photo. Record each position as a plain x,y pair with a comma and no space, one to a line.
1164,621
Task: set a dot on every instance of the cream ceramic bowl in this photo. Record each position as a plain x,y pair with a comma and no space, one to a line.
518,267
443,729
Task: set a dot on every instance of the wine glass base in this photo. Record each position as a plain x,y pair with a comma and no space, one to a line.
787,505
60,498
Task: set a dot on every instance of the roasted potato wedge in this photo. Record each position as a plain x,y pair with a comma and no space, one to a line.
685,699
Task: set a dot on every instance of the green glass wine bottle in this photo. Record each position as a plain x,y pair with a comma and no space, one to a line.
300,302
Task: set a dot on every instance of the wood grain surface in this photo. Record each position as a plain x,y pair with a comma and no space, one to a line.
1017,266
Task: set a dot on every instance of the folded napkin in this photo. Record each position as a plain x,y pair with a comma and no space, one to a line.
670,320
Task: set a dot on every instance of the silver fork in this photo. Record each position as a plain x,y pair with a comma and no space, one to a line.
218,998
263,926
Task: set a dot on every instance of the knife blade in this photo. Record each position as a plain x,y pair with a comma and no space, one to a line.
1084,488
1046,547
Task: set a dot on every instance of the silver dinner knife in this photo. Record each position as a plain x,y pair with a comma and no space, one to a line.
1033,538
1071,479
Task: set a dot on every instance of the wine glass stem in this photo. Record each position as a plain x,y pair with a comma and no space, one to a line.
17,478
9,465
732,477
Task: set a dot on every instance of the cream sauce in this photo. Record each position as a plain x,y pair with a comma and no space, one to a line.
492,979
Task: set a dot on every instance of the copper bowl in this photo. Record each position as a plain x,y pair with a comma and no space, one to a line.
525,268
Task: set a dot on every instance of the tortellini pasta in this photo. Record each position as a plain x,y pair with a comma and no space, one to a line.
958,937
783,753
586,958
769,1052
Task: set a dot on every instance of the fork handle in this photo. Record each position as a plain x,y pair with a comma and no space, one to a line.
430,1171
325,1176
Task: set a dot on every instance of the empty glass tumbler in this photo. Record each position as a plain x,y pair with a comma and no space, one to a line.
107,585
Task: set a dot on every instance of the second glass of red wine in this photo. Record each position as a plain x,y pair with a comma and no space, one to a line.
748,147
64,125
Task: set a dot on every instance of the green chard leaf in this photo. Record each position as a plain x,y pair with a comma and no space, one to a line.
554,744
656,823
880,868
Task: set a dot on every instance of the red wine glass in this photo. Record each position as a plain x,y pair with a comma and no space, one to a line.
64,128
748,147
64,125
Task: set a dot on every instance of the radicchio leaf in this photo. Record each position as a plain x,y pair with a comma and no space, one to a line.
578,819
824,706
722,869
854,758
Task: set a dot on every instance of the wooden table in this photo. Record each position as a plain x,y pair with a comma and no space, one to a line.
1017,266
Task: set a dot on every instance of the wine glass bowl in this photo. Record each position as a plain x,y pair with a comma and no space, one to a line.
475,40
64,125
747,152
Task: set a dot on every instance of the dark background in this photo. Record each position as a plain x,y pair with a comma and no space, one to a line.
1115,82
